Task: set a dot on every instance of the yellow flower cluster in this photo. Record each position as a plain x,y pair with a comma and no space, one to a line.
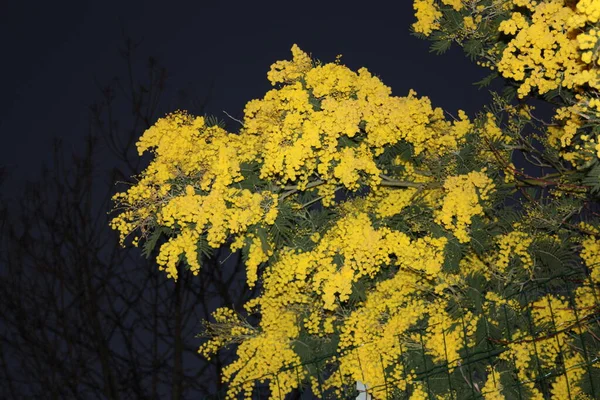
289,71
420,392
553,319
553,311
550,346
324,127
513,244
427,13
256,256
446,335
261,353
183,146
378,333
303,125
569,384
221,213
492,390
552,45
235,329
555,46
469,23
457,5
391,309
462,201
388,202
188,187
363,250
591,257
491,131
542,55
310,288
264,355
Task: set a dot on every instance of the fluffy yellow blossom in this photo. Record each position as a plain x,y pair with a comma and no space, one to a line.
210,208
217,215
389,202
469,23
540,51
514,244
491,130
305,127
427,13
569,384
455,4
462,201
492,390
256,256
286,71
591,256
552,45
419,392
446,335
590,9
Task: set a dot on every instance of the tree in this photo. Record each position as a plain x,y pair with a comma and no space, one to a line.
80,316
392,245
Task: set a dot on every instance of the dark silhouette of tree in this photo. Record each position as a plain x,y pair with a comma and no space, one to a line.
81,317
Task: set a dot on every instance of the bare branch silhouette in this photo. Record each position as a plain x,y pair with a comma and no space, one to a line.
81,317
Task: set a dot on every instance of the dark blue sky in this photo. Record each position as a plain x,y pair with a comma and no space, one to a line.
54,51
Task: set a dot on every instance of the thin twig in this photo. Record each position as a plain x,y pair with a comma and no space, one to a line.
235,119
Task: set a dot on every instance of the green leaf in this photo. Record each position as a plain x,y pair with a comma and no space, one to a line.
551,95
251,173
401,149
509,93
310,348
359,292
487,81
284,228
261,232
315,103
592,178
454,252
473,48
440,46
211,120
203,248
345,141
150,243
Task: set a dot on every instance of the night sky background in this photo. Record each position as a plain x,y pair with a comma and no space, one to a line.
57,54
56,58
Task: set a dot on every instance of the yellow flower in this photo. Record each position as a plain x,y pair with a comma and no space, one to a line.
462,201
427,14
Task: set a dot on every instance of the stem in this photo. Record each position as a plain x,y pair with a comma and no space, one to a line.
293,189
386,181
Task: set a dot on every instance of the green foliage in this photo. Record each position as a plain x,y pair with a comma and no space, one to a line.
474,49
592,177
403,150
440,45
152,240
487,81
204,249
212,120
